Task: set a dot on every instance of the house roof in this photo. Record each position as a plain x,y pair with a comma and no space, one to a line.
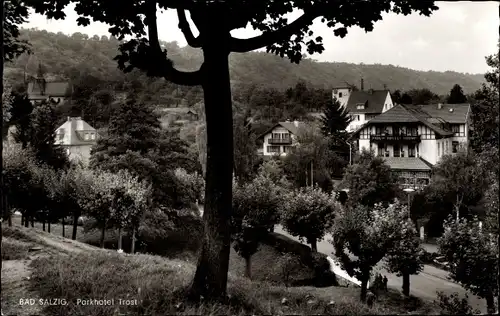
290,126
407,114
75,128
458,114
373,101
52,89
408,163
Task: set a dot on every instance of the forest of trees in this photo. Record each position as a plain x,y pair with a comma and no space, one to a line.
86,56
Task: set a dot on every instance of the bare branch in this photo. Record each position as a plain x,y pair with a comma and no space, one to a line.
268,38
165,65
186,30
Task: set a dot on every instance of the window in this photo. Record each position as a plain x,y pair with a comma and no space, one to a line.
427,133
379,130
273,149
87,136
92,136
411,150
276,136
396,150
340,94
454,147
285,136
381,150
412,131
447,147
286,149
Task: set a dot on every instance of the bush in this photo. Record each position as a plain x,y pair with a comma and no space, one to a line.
168,233
321,275
453,305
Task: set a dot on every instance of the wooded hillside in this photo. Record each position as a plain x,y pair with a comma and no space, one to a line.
72,56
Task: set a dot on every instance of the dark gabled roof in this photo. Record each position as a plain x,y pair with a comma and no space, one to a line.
407,163
373,101
458,115
397,114
290,126
52,89
406,114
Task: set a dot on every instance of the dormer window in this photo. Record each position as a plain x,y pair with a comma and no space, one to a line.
360,106
86,136
92,136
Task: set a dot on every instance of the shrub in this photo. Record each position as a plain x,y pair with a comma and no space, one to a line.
453,305
13,249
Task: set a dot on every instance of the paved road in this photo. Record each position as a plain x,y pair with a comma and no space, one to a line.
424,285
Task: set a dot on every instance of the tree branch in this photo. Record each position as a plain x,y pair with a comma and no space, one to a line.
268,38
165,65
186,30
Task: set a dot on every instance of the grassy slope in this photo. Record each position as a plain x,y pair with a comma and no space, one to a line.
72,270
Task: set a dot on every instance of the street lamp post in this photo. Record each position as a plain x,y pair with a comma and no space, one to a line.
409,191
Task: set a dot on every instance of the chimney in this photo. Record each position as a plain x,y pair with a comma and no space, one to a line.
69,118
296,123
385,86
440,106
362,84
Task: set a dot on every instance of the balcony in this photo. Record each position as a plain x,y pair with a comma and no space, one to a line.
279,141
395,138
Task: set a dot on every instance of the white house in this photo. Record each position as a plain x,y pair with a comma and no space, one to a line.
280,138
362,105
412,138
77,138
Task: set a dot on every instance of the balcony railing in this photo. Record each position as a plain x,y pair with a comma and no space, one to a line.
395,138
280,141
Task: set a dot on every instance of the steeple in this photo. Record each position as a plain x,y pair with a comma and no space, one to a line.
40,79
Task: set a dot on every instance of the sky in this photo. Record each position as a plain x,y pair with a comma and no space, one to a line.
456,37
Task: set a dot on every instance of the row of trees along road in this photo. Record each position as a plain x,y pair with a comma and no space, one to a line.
215,20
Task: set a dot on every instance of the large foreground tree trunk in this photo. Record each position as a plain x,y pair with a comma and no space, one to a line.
75,225
406,284
210,280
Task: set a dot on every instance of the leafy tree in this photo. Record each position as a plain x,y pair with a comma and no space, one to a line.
459,180
421,96
368,233
456,95
406,98
245,149
273,169
308,213
136,143
21,110
369,181
255,212
312,154
15,14
396,96
7,99
473,258
43,124
405,258
484,109
215,20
